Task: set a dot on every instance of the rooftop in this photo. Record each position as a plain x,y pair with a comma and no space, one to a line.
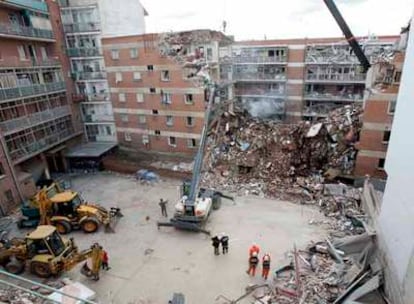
90,149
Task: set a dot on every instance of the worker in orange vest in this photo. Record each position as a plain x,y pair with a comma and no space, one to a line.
254,248
253,261
265,266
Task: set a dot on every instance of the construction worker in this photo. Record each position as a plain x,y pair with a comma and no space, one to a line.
265,266
216,244
254,248
163,205
224,239
105,260
253,261
96,260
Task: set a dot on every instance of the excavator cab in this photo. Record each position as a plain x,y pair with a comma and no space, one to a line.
66,204
44,240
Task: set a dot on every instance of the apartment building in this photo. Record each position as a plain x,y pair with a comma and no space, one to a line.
85,23
37,117
156,85
383,83
297,79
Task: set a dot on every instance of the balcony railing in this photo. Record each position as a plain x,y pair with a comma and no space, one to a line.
259,93
12,93
258,76
82,27
97,118
82,76
34,119
331,97
30,149
259,59
84,52
16,62
25,31
336,77
98,97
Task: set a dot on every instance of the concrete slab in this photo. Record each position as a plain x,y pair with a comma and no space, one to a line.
148,265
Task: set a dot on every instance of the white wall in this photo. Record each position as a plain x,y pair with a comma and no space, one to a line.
121,18
396,221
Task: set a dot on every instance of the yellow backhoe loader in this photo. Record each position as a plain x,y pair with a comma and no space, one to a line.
67,211
46,254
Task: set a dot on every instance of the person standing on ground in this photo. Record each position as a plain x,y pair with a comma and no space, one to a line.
216,243
265,266
253,261
224,243
163,205
105,260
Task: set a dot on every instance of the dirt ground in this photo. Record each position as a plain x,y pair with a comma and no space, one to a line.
148,265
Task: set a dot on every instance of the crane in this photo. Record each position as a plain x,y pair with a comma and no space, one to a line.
196,203
348,34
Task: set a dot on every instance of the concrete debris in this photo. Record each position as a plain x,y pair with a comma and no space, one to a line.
251,156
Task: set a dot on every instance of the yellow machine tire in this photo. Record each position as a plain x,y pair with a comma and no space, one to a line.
14,267
40,269
63,227
90,225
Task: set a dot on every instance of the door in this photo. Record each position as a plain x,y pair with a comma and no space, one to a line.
32,53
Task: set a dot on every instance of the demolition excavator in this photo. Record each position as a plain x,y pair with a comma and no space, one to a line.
67,211
196,203
46,254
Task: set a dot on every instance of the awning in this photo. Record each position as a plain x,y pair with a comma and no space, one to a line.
90,149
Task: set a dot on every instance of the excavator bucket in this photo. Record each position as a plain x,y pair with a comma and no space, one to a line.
114,215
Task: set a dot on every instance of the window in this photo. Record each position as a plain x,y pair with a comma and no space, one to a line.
209,54
397,77
191,143
118,77
43,52
155,112
165,75
391,107
108,130
133,53
127,136
140,97
22,52
9,196
190,121
152,90
169,120
386,136
124,117
157,132
150,68
381,163
165,98
188,99
115,54
122,97
137,76
172,141
2,172
142,119
145,139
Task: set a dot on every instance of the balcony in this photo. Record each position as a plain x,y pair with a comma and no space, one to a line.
36,89
85,76
259,59
335,78
25,32
27,4
84,52
82,27
330,97
16,62
261,77
97,118
21,123
28,150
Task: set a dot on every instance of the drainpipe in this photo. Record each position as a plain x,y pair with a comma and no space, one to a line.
11,166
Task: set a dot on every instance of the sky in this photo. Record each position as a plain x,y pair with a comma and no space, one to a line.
277,19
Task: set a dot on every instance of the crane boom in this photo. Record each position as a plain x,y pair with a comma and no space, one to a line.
348,34
198,162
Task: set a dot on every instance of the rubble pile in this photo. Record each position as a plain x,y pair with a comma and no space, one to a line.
251,156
